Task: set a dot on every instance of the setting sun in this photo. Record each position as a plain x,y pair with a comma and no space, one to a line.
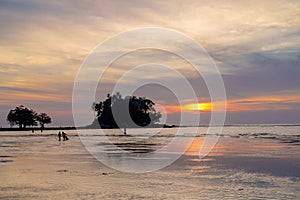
198,106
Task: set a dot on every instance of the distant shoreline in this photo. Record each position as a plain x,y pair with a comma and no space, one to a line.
38,128
74,128
163,126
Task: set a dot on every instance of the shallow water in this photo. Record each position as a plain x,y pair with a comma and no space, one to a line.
248,162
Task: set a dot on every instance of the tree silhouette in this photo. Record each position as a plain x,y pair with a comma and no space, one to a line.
22,117
43,119
130,111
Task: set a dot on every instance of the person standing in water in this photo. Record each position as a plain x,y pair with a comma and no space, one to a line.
65,137
59,136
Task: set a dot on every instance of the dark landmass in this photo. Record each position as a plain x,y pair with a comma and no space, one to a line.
84,127
39,129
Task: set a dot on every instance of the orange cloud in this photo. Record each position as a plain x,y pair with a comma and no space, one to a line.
15,97
172,109
258,103
272,102
169,109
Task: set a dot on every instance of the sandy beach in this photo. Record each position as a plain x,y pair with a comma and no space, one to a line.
245,164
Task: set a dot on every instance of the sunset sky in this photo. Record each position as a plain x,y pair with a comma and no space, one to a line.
255,44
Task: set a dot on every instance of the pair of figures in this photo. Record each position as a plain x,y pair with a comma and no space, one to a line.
63,135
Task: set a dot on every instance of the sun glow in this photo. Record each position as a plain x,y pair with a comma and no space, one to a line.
198,106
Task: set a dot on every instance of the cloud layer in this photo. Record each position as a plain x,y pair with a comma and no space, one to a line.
256,45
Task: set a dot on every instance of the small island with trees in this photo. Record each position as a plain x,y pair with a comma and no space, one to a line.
113,112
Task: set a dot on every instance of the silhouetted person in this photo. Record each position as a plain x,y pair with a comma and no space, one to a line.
65,137
32,130
59,136
125,131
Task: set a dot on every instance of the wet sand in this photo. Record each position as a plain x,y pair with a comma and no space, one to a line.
40,167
